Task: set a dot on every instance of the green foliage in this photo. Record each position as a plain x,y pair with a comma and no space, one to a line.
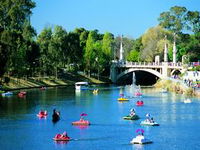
153,43
174,20
133,56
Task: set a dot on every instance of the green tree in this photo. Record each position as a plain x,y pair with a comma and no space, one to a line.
193,19
13,15
133,56
44,40
174,20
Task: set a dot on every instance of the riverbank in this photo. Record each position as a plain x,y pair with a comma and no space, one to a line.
68,79
177,87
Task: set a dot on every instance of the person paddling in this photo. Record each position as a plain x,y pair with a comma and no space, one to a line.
55,116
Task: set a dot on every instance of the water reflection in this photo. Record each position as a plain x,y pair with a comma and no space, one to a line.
108,129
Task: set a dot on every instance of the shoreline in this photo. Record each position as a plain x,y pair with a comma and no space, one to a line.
177,87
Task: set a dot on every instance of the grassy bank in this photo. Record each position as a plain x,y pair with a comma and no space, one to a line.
177,87
64,80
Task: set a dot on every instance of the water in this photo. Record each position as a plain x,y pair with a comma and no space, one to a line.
20,129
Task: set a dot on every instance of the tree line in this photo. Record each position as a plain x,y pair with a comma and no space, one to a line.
24,53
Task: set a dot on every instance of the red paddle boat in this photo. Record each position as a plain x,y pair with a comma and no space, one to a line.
139,103
22,93
61,137
42,114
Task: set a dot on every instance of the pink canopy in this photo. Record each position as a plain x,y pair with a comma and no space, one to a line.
139,130
83,114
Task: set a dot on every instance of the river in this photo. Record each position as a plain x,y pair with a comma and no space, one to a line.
21,129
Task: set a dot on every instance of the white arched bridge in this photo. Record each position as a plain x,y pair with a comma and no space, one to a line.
161,70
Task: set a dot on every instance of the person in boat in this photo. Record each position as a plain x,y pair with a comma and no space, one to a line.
132,112
41,112
152,121
148,117
55,116
64,134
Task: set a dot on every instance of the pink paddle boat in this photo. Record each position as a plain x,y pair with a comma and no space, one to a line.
82,121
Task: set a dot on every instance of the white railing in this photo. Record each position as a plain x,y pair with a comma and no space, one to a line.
146,64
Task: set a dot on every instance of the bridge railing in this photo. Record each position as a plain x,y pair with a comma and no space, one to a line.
145,64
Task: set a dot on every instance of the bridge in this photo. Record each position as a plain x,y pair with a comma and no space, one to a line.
162,70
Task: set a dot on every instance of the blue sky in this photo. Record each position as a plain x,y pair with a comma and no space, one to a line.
128,17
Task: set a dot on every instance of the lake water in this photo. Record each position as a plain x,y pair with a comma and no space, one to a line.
20,129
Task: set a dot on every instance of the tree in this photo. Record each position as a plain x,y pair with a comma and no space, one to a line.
44,40
173,20
107,50
133,56
193,19
153,43
13,15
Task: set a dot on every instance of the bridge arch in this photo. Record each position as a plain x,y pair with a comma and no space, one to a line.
154,72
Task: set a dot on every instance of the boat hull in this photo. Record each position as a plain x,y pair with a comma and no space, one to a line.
135,117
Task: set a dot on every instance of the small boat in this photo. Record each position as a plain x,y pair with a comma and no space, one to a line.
42,114
122,99
140,139
187,101
55,116
138,94
60,137
43,88
22,93
7,94
81,122
95,91
149,123
81,85
135,117
139,103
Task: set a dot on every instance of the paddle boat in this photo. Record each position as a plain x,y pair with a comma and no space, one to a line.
55,116
149,123
42,114
140,139
139,103
187,100
132,115
95,91
22,93
81,122
123,99
138,94
61,137
7,94
43,88
135,117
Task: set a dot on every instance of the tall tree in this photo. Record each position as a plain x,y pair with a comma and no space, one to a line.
13,15
90,51
174,20
44,40
153,43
